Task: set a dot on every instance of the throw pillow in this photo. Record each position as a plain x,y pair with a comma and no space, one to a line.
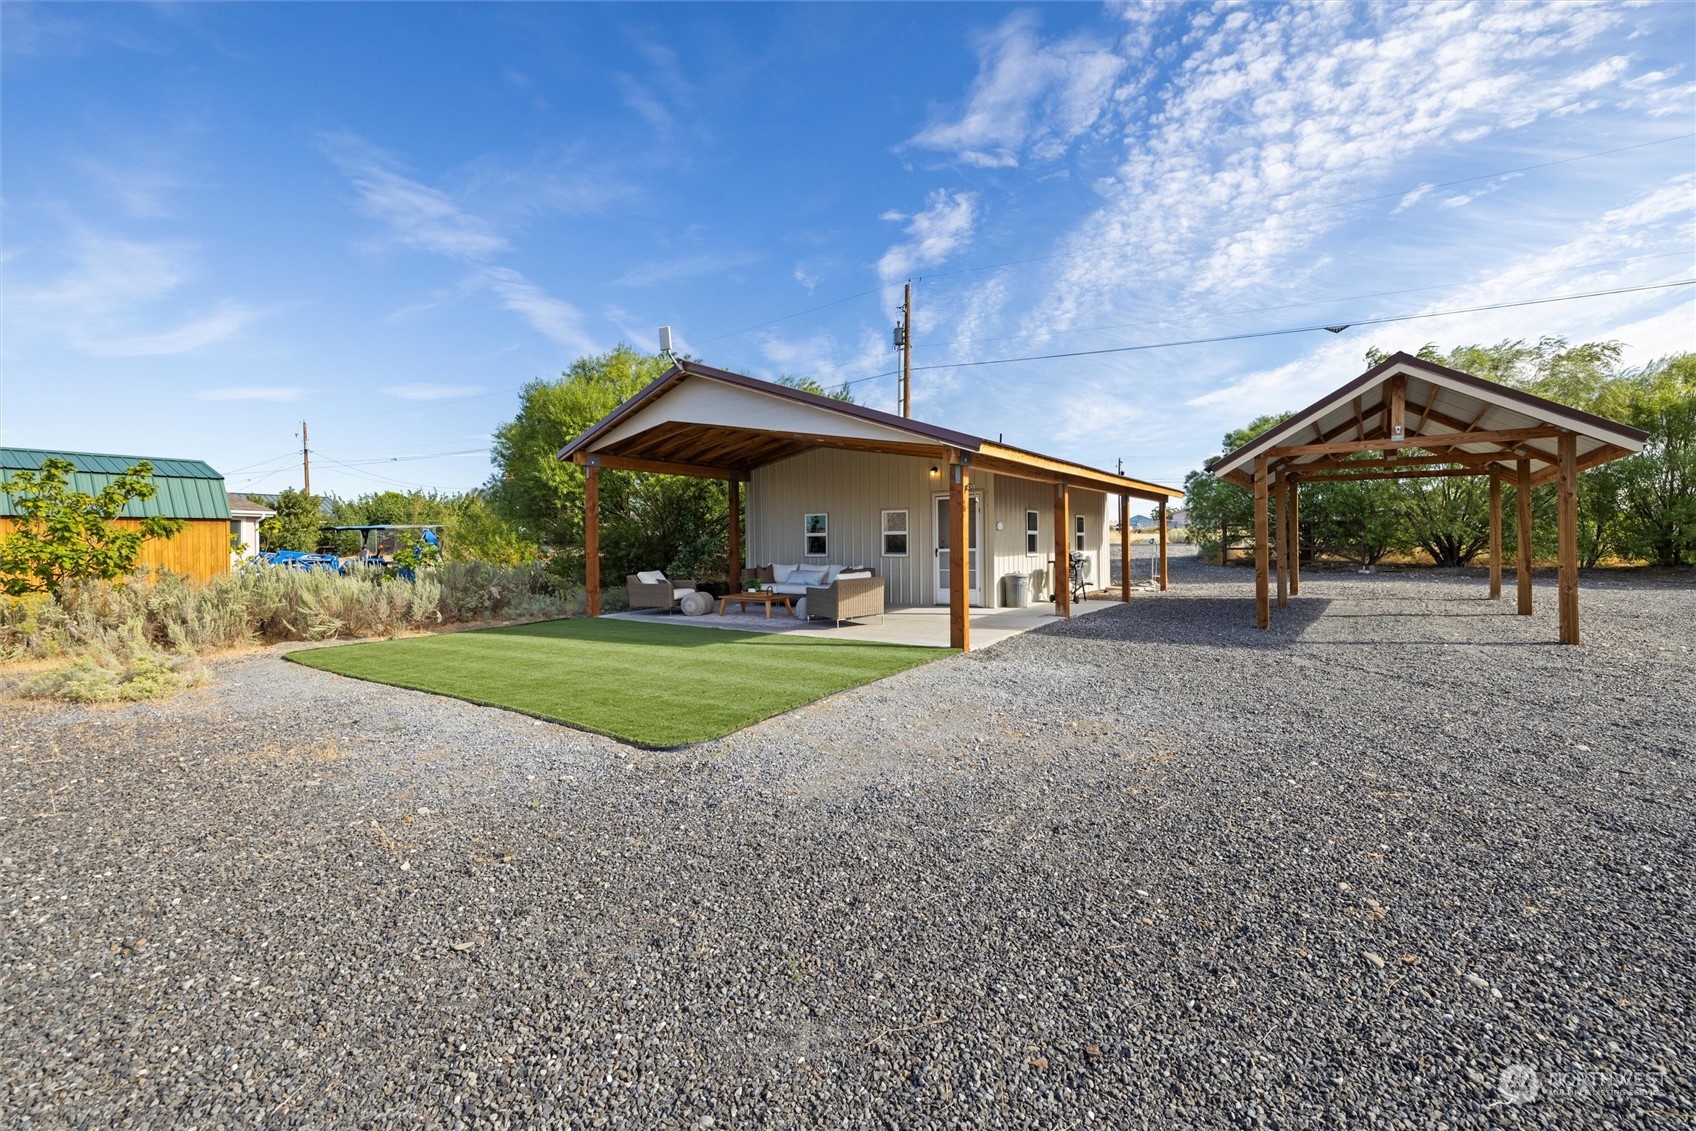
806,577
781,572
830,573
650,576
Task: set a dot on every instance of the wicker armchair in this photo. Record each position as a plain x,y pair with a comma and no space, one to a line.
846,598
663,594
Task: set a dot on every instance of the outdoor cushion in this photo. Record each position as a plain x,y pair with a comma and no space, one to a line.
650,577
830,572
781,572
851,574
805,577
793,590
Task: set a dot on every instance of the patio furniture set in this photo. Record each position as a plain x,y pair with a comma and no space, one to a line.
830,592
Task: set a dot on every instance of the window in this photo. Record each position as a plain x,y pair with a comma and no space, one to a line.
1077,532
894,534
1031,543
815,535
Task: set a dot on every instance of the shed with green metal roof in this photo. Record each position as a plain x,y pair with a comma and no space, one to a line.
188,489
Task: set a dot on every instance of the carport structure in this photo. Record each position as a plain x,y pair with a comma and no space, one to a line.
1407,418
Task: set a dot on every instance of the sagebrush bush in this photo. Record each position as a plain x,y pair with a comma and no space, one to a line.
109,679
119,623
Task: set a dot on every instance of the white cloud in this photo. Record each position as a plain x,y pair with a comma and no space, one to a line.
280,394
427,392
551,317
941,229
1028,98
687,267
415,214
192,335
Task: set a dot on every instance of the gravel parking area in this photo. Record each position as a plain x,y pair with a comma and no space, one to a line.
1399,862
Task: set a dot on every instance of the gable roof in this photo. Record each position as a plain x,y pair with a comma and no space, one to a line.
1440,401
699,419
246,507
188,488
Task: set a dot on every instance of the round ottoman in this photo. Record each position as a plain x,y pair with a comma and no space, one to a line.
696,604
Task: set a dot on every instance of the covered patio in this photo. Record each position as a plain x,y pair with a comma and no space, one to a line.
781,443
1408,418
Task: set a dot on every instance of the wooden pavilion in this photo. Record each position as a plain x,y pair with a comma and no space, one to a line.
863,472
1407,418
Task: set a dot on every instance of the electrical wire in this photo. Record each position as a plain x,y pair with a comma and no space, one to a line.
1335,327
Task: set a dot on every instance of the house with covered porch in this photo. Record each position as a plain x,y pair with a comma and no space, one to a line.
827,481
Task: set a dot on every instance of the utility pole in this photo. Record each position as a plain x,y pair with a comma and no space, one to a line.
305,460
904,343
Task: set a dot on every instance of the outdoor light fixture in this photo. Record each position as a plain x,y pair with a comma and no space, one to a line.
933,471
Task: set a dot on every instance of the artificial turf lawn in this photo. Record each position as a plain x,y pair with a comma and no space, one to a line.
653,685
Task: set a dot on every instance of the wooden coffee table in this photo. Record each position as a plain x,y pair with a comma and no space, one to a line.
758,597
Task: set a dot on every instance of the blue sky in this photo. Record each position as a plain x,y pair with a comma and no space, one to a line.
219,220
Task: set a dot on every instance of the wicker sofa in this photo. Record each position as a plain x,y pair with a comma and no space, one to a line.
662,594
845,598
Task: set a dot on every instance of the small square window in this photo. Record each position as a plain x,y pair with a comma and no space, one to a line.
894,534
1031,543
815,535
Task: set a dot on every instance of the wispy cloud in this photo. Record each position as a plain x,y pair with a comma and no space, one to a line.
1029,98
108,302
941,229
415,214
427,392
687,267
280,394
427,218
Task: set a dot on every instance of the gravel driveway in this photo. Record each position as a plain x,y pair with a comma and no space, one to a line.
1399,862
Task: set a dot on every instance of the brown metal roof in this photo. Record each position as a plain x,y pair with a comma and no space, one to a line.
1443,401
740,450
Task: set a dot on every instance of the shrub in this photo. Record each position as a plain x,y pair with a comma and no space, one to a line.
149,675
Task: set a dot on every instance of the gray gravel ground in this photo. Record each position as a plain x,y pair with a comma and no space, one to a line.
1151,868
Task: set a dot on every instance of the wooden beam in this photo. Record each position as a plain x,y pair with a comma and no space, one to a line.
735,501
1495,534
1445,440
1125,547
1280,497
1567,515
959,559
658,466
1335,462
1408,473
1262,603
1163,545
1359,421
1522,507
1062,552
1040,469
592,540
1295,534
1425,413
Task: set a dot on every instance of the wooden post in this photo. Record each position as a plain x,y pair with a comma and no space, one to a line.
1495,534
735,534
1125,548
1280,497
1062,552
1163,545
1295,534
1567,510
1522,504
959,560
1397,424
1262,606
1224,541
592,538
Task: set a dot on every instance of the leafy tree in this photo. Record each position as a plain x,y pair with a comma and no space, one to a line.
1217,508
60,535
1362,518
295,525
1657,486
808,385
647,521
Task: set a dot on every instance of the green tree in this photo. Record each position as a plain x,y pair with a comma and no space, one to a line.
647,521
1217,508
296,524
60,535
1657,486
1361,519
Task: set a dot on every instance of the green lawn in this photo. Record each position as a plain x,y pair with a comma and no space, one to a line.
654,685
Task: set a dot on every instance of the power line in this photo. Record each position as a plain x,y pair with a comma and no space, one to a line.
1334,327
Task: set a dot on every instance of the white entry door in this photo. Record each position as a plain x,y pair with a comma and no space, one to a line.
944,556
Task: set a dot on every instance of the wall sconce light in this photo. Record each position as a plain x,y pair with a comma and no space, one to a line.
933,471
